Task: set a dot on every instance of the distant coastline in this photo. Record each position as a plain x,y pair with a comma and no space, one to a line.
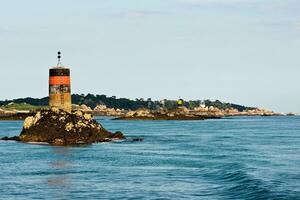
93,101
126,109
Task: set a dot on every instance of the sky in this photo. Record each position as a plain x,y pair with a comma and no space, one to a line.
239,51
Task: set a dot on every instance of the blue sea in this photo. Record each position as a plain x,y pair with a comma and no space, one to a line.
230,158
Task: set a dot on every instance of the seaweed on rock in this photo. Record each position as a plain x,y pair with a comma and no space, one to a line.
58,127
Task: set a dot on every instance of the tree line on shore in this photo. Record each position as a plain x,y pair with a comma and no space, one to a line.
92,101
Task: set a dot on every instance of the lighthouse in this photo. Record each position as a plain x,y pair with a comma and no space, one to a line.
60,86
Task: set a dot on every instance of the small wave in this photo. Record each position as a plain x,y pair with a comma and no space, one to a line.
40,143
240,185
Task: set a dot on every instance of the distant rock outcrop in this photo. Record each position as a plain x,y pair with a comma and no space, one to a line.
180,113
58,127
198,113
233,112
82,107
291,114
105,111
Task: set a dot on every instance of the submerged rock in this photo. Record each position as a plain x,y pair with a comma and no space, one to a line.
58,127
15,138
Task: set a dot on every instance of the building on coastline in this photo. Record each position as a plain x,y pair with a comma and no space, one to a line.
180,102
60,87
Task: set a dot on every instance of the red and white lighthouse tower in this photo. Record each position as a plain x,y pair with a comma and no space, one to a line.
60,87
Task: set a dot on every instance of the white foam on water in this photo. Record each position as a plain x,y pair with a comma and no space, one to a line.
42,143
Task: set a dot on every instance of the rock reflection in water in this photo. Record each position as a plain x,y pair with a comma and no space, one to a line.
60,166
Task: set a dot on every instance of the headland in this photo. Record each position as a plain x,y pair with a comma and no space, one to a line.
139,109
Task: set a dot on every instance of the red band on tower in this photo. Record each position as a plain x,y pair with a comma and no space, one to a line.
59,80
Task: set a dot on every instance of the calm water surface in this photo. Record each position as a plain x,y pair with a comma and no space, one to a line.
234,158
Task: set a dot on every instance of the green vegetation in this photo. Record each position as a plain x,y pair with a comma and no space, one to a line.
21,106
113,102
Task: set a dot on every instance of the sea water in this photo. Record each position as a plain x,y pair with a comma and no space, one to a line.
230,158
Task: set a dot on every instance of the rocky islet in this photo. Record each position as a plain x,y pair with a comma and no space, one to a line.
58,127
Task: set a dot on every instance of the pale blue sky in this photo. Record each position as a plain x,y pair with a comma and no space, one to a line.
241,51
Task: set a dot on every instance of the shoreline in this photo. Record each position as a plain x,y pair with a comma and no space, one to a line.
15,116
150,116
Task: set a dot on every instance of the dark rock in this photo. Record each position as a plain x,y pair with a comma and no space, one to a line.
164,117
291,114
14,138
137,139
57,127
181,113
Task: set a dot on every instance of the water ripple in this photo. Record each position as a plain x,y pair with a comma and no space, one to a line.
233,158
